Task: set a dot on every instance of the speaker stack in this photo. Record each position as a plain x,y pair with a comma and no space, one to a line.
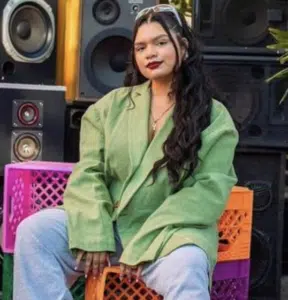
97,44
235,35
32,106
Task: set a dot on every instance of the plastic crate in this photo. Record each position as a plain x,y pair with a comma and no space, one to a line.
29,187
235,226
230,281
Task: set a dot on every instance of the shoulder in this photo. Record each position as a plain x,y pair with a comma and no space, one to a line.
220,117
115,100
219,111
221,124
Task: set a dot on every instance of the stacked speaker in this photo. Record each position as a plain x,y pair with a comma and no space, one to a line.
32,106
98,38
235,35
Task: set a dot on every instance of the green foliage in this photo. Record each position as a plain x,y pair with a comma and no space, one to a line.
281,38
184,6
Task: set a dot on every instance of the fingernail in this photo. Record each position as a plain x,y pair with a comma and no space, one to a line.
75,268
85,275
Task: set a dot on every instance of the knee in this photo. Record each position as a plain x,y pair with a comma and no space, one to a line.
26,229
38,226
189,259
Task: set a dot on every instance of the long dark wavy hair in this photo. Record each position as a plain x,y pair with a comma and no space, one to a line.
191,90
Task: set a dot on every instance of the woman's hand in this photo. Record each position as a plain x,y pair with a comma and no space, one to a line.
129,271
96,261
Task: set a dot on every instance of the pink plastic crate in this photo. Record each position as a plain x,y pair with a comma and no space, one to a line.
29,187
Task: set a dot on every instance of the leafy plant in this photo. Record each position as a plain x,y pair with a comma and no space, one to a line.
184,6
281,38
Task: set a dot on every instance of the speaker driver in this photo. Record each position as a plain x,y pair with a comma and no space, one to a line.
26,147
261,258
241,100
262,194
28,30
246,21
28,114
106,12
106,58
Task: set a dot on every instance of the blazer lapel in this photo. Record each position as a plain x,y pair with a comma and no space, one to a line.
143,156
139,123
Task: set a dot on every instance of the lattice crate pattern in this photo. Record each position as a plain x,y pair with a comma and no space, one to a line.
109,287
235,226
230,281
28,188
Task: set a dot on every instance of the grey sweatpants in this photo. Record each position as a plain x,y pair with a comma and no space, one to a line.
44,265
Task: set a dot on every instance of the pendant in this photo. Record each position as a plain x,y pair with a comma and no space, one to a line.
153,126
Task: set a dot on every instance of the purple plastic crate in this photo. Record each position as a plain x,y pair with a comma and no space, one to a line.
28,188
231,280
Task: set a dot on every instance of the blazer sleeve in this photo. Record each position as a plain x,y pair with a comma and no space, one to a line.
202,200
86,198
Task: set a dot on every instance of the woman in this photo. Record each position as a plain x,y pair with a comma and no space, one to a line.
154,176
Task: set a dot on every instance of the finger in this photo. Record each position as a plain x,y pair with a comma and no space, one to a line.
89,258
78,258
108,260
128,272
138,273
95,265
122,271
102,262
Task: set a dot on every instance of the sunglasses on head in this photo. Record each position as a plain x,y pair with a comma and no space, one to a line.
160,8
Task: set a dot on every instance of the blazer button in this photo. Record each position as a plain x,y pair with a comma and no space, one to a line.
116,204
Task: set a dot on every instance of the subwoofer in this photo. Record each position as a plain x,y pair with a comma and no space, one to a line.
239,26
98,41
239,83
263,171
28,37
32,123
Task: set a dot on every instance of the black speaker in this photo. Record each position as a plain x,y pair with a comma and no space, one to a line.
264,172
104,43
32,123
73,116
239,25
239,82
285,233
28,36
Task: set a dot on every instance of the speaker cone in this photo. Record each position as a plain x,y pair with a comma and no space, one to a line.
245,21
239,97
26,147
262,194
106,59
106,12
261,258
28,30
28,114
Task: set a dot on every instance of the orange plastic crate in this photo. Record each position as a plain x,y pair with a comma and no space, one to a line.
109,287
235,226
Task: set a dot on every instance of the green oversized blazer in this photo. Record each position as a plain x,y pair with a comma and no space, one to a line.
111,182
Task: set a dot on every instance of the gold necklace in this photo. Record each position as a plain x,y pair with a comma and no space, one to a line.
154,122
